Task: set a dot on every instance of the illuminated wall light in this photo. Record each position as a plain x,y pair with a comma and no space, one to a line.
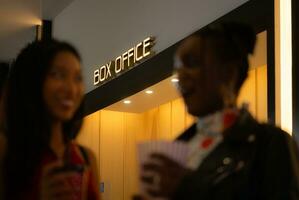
127,102
38,22
149,92
38,32
285,64
174,80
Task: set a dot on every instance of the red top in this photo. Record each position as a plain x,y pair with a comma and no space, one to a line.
76,157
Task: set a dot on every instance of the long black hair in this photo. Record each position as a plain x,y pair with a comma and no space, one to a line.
27,120
4,68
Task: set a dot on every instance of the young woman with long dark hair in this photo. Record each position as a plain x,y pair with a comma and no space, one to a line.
42,112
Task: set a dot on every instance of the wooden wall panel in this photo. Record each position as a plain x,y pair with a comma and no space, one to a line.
89,135
134,126
262,108
112,154
248,92
254,92
177,117
150,125
164,122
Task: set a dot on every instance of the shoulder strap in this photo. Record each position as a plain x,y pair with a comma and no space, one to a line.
84,154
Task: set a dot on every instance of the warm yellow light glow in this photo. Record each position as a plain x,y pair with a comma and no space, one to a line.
38,22
149,92
285,62
127,101
174,80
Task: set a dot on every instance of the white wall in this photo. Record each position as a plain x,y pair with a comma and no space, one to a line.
102,30
18,19
51,8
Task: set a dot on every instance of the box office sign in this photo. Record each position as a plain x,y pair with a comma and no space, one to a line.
124,62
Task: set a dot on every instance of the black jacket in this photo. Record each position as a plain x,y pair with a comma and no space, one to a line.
254,162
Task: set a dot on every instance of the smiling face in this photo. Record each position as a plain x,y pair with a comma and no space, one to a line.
63,87
203,78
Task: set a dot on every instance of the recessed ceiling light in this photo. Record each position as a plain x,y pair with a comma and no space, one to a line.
149,92
174,80
127,101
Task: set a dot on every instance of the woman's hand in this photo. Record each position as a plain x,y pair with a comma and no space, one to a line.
168,174
56,186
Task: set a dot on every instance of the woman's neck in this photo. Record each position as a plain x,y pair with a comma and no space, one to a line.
57,144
